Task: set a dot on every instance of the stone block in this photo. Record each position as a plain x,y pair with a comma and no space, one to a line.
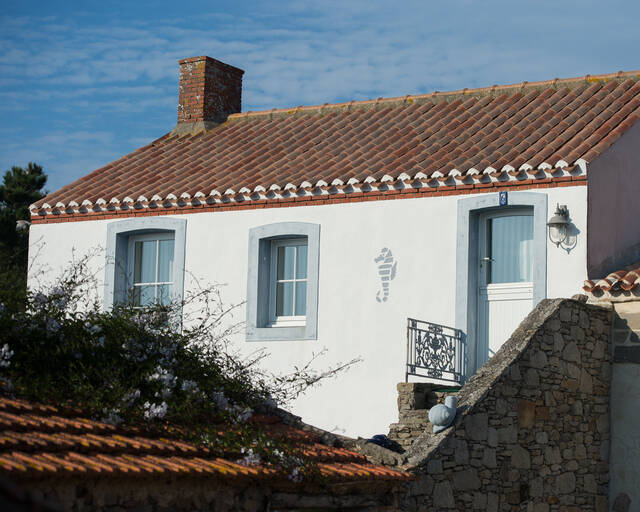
576,408
565,483
507,435
538,359
493,502
599,348
526,413
573,371
542,437
571,352
553,325
461,453
590,484
489,458
492,437
479,501
602,423
466,480
583,320
532,378
422,486
542,413
552,455
476,426
434,467
536,487
565,314
520,457
443,495
514,373
577,334
586,382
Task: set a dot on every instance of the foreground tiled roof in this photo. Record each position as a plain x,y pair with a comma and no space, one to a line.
38,441
621,280
531,131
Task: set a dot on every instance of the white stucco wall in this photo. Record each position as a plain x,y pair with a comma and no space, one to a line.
625,437
421,233
614,187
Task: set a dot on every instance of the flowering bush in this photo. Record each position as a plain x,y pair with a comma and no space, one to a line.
138,366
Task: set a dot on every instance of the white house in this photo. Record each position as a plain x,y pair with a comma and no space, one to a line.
337,223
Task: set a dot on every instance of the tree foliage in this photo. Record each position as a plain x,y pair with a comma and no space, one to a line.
20,188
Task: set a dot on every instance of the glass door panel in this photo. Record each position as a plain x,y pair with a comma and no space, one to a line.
510,249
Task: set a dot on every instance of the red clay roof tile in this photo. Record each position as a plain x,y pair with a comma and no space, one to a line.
621,280
38,441
529,125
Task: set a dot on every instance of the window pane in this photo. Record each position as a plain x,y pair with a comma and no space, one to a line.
165,261
144,266
164,294
143,295
301,298
284,299
511,246
286,256
301,262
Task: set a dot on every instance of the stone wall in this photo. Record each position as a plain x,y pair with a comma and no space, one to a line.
414,401
532,431
185,494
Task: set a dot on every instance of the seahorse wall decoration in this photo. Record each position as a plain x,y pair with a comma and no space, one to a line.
387,271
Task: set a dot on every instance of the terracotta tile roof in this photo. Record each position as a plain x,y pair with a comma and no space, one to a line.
621,280
39,441
541,131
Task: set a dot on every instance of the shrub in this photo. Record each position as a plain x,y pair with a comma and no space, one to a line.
137,366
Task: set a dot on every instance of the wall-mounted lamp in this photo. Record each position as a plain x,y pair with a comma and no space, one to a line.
558,225
22,225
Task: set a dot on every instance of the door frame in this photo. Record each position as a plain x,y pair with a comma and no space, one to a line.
469,211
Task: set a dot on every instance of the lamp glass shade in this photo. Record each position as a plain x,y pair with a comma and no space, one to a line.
558,227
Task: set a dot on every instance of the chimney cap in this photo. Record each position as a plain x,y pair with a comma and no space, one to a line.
211,60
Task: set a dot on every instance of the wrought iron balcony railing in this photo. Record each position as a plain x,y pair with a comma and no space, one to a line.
434,351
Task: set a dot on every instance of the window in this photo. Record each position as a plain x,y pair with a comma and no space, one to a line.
151,268
282,282
145,261
288,283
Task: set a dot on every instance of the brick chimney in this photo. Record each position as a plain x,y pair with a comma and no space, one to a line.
210,90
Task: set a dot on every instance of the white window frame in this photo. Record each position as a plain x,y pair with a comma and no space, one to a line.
290,320
259,323
156,237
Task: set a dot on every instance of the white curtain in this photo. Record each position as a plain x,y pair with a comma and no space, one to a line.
511,245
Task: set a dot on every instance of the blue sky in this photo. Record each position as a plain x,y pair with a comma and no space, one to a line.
83,83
